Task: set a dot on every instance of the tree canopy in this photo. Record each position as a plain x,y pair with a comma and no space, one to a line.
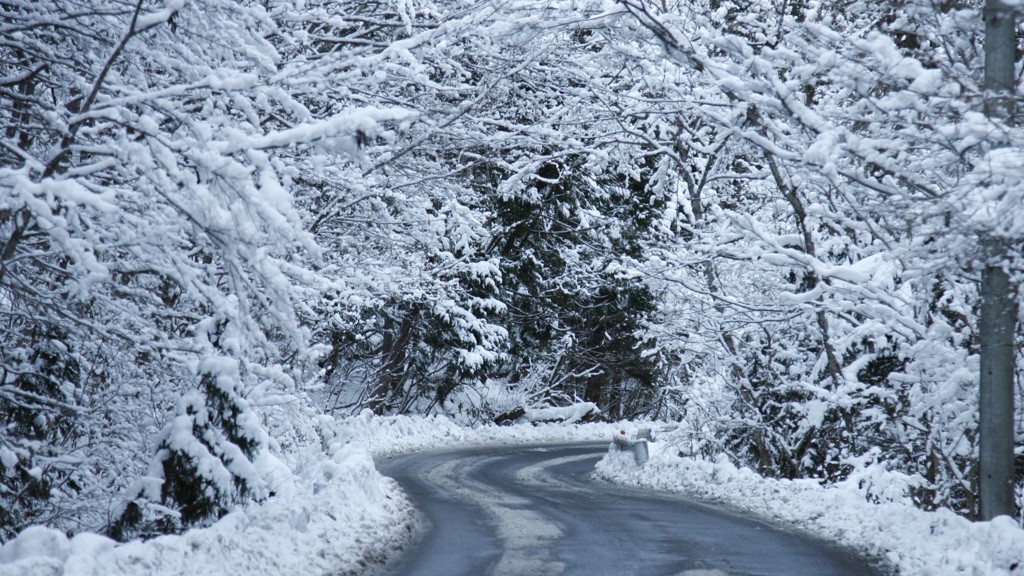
219,219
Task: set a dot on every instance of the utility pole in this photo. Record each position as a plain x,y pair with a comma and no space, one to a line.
998,322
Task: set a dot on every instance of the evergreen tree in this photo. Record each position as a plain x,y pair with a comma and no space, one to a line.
560,242
37,422
203,465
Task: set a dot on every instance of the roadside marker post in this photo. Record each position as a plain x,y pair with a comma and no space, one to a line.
637,445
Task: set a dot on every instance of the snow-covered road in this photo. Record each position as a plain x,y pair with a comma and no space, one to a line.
538,510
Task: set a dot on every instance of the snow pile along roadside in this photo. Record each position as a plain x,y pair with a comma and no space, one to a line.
914,541
334,515
331,511
389,435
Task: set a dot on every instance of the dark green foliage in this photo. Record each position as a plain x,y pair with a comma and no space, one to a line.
227,412
557,240
38,409
37,419
23,497
787,428
194,496
768,415
412,352
127,525
208,441
625,384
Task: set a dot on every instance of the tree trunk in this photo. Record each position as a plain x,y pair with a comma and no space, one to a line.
393,352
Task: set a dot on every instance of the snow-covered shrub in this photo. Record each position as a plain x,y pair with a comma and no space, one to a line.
870,477
203,466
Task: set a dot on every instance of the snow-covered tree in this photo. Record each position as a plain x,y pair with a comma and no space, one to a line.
766,218
142,194
865,135
203,464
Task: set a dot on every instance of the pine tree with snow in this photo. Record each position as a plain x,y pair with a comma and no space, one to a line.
203,464
36,420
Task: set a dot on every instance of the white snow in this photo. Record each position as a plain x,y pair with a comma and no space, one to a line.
567,414
915,542
333,513
36,542
342,512
8,459
385,436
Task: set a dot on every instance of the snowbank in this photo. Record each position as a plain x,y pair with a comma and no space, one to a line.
567,414
389,435
333,513
916,542
336,515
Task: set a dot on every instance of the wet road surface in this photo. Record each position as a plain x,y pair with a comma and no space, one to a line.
538,511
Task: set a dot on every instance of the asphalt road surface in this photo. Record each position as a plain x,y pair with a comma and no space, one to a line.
538,511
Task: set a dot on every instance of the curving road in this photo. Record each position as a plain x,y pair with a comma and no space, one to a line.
537,511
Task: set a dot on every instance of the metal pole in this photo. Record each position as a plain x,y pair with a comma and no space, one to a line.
998,321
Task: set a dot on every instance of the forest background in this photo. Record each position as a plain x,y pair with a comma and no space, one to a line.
222,220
